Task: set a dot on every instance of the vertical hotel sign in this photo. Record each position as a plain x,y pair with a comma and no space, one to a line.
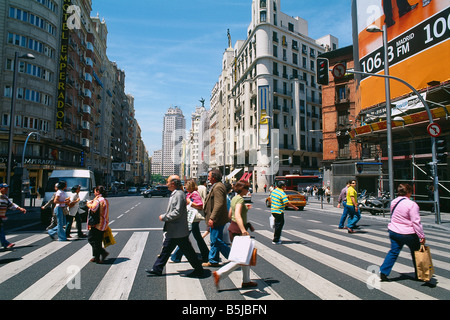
63,60
418,35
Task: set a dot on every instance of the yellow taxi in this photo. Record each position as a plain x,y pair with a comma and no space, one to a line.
294,197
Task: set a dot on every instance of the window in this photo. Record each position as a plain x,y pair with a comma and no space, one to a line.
263,16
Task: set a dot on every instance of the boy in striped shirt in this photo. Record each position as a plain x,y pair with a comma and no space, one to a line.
6,204
279,201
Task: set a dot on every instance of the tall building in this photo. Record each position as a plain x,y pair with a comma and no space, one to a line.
172,137
267,102
67,92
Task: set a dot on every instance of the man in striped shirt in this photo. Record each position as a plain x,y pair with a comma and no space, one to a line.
6,204
279,201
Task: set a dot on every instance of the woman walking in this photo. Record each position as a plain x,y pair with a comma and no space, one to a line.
238,227
95,236
195,200
61,200
405,229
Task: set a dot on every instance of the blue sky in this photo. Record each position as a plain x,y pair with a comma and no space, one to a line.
171,51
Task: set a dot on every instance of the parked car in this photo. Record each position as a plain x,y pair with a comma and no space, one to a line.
132,190
142,189
295,197
162,191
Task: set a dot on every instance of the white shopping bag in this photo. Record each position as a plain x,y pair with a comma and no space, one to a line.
272,222
241,250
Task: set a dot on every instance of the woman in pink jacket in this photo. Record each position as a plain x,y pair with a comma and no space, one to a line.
405,229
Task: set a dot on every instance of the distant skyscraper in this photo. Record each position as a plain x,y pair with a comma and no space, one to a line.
173,135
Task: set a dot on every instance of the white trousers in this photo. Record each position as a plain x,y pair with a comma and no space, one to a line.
231,266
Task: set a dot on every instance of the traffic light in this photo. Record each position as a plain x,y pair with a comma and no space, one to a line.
441,150
322,71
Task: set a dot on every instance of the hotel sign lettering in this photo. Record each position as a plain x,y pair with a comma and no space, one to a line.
63,59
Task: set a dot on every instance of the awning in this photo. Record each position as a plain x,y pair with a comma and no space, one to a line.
441,112
232,174
246,176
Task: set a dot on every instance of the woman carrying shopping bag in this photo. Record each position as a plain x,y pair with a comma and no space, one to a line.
238,227
405,228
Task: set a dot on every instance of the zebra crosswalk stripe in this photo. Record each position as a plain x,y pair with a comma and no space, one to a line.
319,286
394,289
49,285
118,281
13,268
182,288
399,267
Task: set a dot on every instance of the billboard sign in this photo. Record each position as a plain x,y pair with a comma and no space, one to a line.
418,45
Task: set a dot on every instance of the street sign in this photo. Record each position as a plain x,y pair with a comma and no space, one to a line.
339,71
434,130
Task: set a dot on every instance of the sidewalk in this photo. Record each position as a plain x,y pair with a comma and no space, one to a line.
428,220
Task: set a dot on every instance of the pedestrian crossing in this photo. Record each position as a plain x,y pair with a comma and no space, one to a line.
323,264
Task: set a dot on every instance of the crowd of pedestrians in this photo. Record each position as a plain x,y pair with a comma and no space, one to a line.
65,210
225,218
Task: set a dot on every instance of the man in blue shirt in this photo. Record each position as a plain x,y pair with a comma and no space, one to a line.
279,201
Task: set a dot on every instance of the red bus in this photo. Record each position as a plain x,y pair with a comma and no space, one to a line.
299,183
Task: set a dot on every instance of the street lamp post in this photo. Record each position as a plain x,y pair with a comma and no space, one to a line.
375,29
12,113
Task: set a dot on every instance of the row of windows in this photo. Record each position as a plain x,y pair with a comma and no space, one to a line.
33,19
29,95
49,4
31,69
30,43
27,122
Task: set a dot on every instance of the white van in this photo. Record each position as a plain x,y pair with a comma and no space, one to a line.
84,178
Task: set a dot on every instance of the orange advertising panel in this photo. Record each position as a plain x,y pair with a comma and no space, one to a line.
418,33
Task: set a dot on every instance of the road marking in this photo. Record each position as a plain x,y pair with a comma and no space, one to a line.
399,267
15,267
182,288
394,289
118,281
324,289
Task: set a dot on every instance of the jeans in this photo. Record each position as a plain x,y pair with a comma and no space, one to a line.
353,216
344,215
397,243
178,254
279,223
59,229
217,244
3,240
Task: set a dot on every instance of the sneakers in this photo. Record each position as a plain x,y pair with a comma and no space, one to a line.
277,242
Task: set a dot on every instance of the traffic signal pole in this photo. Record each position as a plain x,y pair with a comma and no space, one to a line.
433,139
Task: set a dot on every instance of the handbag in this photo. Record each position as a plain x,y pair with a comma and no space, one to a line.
93,217
108,238
253,258
424,264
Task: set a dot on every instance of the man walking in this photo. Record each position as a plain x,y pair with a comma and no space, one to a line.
343,200
352,206
279,201
176,231
6,204
216,216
